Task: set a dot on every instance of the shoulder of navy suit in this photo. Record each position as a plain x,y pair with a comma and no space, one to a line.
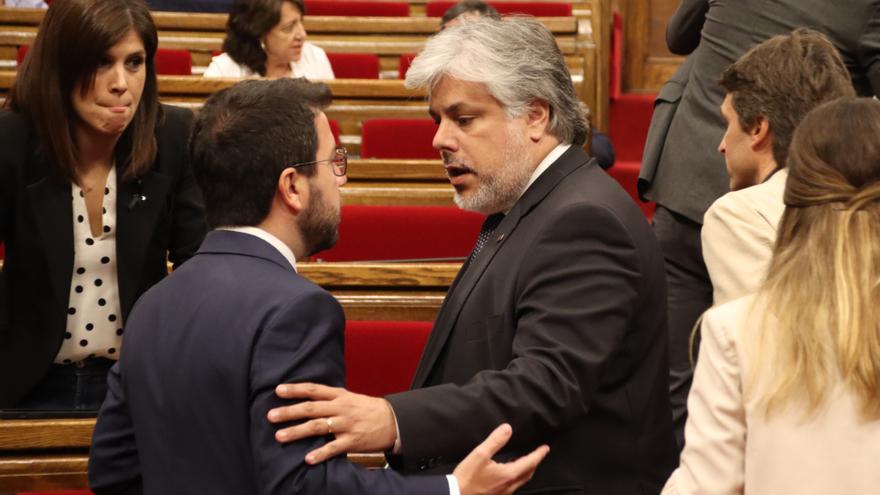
229,242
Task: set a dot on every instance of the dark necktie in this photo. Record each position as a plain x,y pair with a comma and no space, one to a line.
489,226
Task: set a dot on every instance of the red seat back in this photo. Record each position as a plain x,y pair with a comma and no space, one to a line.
626,173
173,62
616,57
22,53
334,128
354,65
66,492
403,66
398,138
369,232
381,356
357,8
537,9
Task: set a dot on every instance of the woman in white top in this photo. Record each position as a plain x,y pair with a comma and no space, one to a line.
96,196
786,394
267,38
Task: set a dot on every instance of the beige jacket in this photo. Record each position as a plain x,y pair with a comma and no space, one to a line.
738,234
732,448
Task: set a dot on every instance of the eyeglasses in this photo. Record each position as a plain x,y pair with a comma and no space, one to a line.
339,160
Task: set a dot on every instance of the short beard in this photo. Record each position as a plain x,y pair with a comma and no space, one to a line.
499,192
319,224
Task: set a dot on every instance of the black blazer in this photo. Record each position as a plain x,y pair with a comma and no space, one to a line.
559,328
36,227
242,321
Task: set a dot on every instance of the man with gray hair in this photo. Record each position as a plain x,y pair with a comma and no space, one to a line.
556,323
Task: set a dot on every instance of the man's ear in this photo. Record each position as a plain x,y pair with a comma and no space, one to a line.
760,134
292,190
538,119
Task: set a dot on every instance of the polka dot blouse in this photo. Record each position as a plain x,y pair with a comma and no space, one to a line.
94,317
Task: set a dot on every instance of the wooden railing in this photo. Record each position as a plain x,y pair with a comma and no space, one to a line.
583,38
52,454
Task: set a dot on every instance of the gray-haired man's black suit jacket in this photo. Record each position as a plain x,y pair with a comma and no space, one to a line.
557,327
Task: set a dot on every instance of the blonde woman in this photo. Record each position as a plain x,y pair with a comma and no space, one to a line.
786,395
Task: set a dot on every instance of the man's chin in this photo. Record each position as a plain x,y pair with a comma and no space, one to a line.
325,244
472,203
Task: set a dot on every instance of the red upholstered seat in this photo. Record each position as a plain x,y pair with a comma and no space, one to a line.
381,356
334,128
357,8
398,138
537,9
616,56
67,492
354,65
403,232
173,62
22,52
626,173
403,66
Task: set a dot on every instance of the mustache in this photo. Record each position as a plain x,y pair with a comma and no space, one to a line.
449,160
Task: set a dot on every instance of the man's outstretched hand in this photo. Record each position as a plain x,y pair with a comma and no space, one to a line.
478,474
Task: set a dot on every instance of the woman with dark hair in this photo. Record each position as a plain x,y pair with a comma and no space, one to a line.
95,196
267,38
786,394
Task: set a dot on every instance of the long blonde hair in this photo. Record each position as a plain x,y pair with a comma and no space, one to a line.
822,291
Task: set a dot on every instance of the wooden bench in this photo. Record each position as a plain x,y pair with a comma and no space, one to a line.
387,37
52,454
384,291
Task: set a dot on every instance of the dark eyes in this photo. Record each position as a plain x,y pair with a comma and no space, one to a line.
133,62
460,121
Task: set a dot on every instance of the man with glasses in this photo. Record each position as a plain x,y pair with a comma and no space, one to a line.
187,403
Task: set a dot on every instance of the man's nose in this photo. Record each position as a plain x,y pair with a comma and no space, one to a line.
443,138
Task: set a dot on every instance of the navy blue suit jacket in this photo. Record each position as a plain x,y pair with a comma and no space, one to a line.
202,354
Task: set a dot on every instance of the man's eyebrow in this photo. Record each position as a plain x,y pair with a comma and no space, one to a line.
455,108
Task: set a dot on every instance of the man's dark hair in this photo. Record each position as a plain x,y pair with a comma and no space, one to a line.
245,136
478,6
248,22
782,79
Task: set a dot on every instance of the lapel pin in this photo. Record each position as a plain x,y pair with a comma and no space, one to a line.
500,238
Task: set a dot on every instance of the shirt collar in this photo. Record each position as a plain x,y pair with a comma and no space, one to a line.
542,167
271,239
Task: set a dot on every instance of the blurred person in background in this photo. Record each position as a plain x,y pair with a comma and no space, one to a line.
470,10
267,38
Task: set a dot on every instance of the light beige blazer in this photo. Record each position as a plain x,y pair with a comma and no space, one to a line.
738,234
732,448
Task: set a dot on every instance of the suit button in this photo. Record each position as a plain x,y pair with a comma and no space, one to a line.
423,464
